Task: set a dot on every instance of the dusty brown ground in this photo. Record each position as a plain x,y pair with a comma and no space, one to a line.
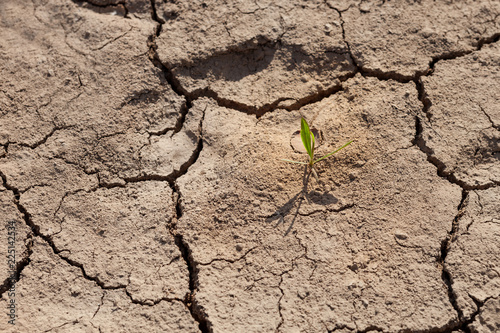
139,160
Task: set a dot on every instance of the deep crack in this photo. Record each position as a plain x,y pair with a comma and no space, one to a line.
228,103
197,312
445,247
318,96
393,75
20,265
429,152
189,301
479,304
35,229
424,98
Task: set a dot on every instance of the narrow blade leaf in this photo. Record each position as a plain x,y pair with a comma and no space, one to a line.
333,152
293,161
312,145
305,135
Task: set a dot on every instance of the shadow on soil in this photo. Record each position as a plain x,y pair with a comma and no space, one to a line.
293,205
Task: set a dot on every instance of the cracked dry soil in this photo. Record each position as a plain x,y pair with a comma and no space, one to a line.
139,162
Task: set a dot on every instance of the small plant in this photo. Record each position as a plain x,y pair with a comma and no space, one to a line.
308,140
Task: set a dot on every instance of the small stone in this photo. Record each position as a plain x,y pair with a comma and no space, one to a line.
302,294
400,235
365,8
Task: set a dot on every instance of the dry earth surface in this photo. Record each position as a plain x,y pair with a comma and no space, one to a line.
140,147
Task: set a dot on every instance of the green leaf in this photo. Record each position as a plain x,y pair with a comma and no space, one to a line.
293,161
305,135
333,152
312,145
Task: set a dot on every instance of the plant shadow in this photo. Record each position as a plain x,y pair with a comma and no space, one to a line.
296,201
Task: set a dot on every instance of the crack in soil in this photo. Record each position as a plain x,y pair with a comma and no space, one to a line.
20,265
227,103
310,99
172,177
45,138
445,247
379,74
177,127
497,127
282,320
99,307
392,75
197,312
112,40
238,106
148,303
462,323
231,261
306,255
64,324
479,304
189,301
35,231
332,210
429,152
279,303
169,77
339,327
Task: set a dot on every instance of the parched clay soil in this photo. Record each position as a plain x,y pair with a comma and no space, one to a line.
140,147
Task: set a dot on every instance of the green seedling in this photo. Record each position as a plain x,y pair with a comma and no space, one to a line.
308,140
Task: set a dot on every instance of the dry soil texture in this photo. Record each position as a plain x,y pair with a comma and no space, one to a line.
142,189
